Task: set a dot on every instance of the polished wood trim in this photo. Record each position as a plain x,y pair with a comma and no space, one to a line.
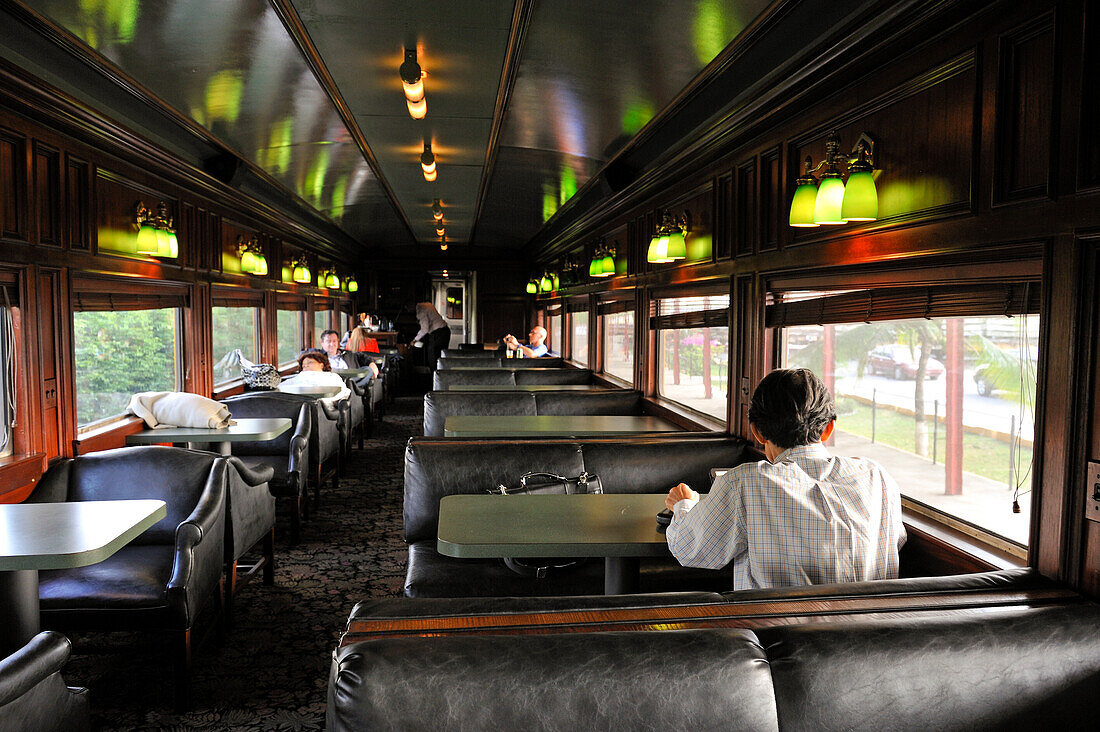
18,475
517,37
752,613
107,437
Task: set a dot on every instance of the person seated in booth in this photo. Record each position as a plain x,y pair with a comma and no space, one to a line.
803,516
315,370
536,343
340,359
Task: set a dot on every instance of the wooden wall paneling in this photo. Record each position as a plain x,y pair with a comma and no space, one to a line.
744,210
499,315
199,378
78,203
1088,168
723,217
116,200
1087,554
620,239
770,196
13,185
47,194
924,131
1026,98
46,366
746,327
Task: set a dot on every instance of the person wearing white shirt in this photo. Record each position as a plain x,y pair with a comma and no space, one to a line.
803,516
338,359
434,333
316,371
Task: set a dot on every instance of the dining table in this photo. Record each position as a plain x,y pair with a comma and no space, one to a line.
552,425
319,391
355,373
531,387
36,536
245,430
620,527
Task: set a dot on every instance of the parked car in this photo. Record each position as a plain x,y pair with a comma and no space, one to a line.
900,362
989,378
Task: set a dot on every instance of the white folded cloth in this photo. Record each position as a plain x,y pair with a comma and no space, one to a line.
162,409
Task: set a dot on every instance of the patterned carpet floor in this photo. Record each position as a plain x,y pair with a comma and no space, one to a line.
271,671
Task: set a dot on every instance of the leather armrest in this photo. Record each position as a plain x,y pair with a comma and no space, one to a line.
252,477
299,444
357,386
200,541
44,654
329,410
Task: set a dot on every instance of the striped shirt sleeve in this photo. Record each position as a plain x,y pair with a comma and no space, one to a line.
710,533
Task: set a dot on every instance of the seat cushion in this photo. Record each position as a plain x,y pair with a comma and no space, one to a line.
430,574
597,402
133,577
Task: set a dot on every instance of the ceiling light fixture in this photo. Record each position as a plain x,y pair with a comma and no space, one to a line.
412,82
442,243
832,203
440,230
427,162
437,210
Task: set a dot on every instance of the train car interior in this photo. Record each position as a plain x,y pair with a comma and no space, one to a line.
549,364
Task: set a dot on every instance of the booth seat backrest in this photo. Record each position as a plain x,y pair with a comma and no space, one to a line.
466,363
438,468
170,474
545,362
471,355
261,406
619,402
443,379
655,464
553,376
438,405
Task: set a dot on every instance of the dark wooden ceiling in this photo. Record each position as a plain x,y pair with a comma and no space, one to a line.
527,100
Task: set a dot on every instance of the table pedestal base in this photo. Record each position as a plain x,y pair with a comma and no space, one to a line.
620,575
19,621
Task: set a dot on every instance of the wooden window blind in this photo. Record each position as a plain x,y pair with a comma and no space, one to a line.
612,307
290,302
235,297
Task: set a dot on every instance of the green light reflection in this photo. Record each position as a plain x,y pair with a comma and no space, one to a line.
636,115
222,100
713,27
568,186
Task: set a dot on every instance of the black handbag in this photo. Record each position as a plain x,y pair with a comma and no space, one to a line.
548,484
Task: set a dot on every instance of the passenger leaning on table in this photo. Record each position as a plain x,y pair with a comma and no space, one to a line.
536,343
803,516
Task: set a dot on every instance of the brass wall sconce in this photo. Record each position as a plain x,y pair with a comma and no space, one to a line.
300,272
156,234
327,278
669,243
353,285
250,251
603,261
832,202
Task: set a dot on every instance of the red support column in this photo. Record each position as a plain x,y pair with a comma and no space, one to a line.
828,364
675,357
953,457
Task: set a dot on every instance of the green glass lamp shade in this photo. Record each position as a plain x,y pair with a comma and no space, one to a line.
830,195
658,250
331,282
651,253
532,287
173,245
301,274
676,248
163,245
802,207
248,262
147,242
261,265
353,286
547,284
860,198
608,265
595,267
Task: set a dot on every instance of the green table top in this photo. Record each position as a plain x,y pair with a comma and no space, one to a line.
71,534
554,426
313,391
246,430
354,373
531,387
508,367
613,525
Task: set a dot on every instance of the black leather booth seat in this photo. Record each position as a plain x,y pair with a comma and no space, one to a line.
1018,667
437,467
33,696
547,362
500,377
438,405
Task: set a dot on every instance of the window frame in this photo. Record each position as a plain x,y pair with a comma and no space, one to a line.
615,304
570,307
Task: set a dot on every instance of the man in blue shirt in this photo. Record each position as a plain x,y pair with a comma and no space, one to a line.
537,346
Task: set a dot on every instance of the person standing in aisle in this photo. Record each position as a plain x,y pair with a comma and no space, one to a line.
434,333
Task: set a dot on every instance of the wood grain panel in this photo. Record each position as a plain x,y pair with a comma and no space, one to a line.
116,201
78,202
498,315
723,217
744,210
1025,93
771,200
924,153
1088,171
46,368
13,185
47,194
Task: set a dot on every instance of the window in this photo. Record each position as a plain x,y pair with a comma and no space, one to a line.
235,330
321,323
553,329
617,335
945,402
693,352
288,324
7,377
119,353
578,330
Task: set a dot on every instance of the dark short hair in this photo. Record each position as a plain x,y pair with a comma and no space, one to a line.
791,407
315,354
327,332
